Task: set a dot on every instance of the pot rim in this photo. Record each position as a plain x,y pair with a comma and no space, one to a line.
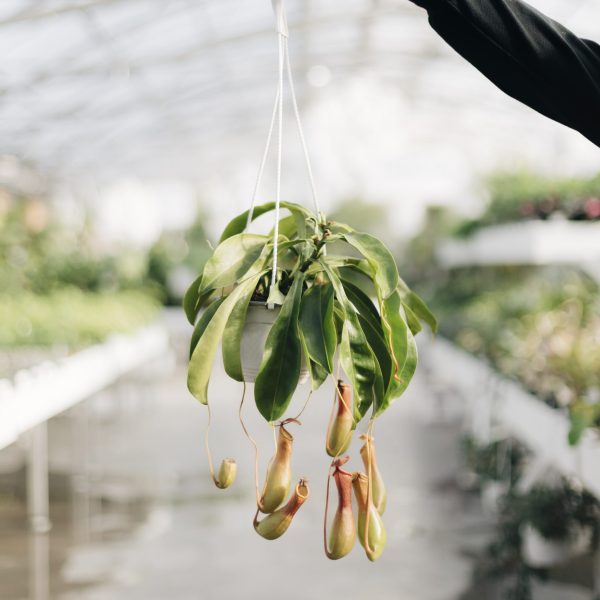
262,303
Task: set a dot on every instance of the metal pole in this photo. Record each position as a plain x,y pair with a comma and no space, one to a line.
39,571
38,501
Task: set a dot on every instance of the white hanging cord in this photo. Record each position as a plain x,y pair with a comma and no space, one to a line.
282,35
301,131
284,64
263,161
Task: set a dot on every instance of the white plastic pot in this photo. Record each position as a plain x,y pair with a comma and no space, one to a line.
539,552
259,321
492,493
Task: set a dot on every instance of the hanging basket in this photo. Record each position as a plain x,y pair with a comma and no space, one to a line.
492,494
538,552
259,320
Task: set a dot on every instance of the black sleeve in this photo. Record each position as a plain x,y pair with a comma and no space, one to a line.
527,55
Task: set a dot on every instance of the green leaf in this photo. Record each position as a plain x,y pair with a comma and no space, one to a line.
378,256
338,319
418,306
280,368
203,322
202,359
232,336
579,424
356,356
190,300
317,325
292,226
231,260
237,225
404,376
363,303
317,373
412,319
582,415
410,365
287,227
380,349
397,335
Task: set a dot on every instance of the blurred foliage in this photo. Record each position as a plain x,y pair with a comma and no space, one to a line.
178,252
418,261
71,317
557,512
525,195
39,254
369,216
362,215
58,287
499,461
538,325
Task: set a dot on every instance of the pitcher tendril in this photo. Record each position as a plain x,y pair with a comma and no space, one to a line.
228,467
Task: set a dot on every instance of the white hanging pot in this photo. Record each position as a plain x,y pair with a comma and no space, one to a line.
492,493
539,552
259,320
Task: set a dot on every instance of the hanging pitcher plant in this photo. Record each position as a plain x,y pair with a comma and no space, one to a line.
317,298
309,300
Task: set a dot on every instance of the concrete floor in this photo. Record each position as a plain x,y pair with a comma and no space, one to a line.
138,518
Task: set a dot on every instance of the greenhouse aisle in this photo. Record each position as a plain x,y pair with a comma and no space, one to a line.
146,522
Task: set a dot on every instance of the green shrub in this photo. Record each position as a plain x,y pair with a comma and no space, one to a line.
71,317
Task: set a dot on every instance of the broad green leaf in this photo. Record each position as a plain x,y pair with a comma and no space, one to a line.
418,306
317,373
338,319
292,226
397,335
280,368
232,336
370,321
363,303
287,227
203,322
378,256
412,319
201,362
317,325
348,263
356,356
190,300
238,224
380,349
405,375
231,260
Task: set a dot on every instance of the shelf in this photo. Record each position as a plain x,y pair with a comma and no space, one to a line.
492,400
527,243
38,394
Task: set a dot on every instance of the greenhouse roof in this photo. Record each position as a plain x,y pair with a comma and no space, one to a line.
174,88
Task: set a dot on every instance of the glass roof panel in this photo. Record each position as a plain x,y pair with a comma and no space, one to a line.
147,87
